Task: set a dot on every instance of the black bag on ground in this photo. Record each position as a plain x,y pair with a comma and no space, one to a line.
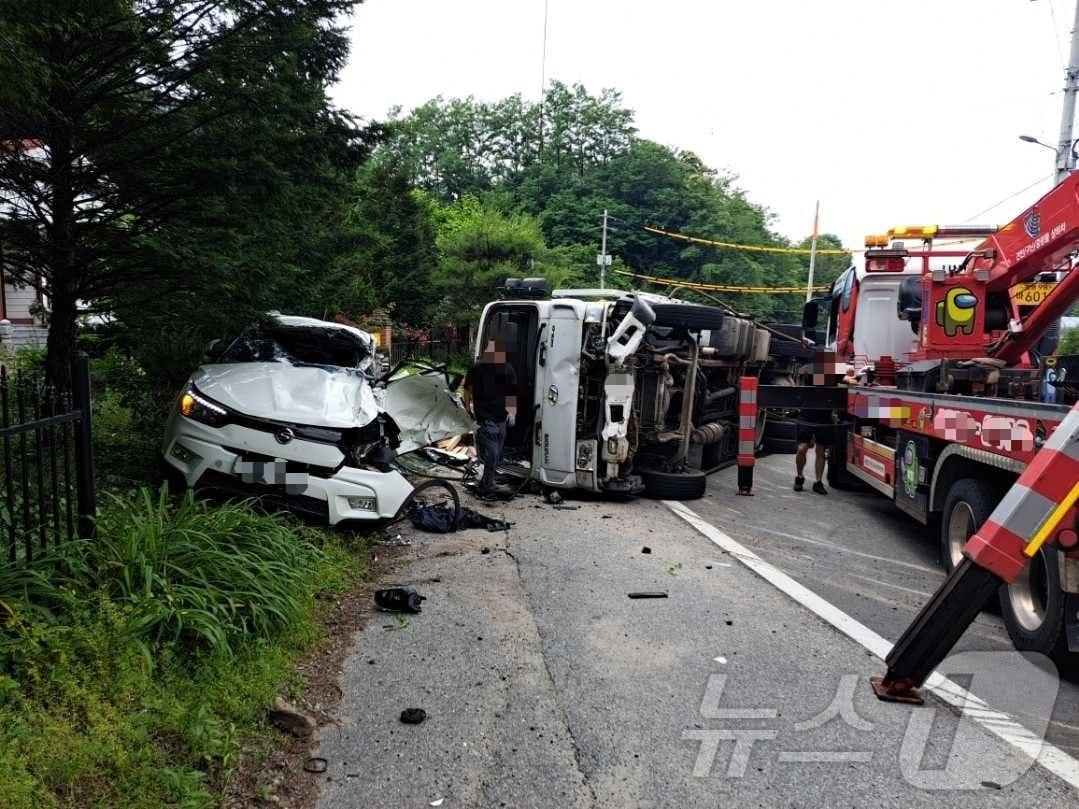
437,518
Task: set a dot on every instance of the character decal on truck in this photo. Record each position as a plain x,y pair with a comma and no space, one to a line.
956,312
908,464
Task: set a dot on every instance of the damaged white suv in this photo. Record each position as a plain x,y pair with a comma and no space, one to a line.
294,410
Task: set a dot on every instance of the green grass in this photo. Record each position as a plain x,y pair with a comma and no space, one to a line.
135,669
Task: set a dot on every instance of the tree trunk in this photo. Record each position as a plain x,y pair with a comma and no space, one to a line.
60,346
63,274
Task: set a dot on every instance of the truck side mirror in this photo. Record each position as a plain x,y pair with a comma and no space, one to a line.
627,337
810,317
909,302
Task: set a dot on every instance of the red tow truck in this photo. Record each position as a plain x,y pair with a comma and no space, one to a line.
961,387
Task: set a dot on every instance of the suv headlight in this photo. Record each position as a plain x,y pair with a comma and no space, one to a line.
196,406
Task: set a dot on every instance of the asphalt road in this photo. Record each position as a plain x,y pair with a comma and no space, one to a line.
863,555
545,685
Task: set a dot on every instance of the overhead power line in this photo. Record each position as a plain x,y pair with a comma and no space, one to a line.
1008,198
681,282
753,248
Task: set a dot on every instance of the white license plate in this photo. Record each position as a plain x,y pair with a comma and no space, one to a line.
271,473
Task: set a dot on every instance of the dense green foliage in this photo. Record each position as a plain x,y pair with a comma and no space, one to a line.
513,194
1069,342
133,668
176,140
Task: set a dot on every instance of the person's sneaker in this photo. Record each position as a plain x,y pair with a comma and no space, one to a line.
818,487
799,482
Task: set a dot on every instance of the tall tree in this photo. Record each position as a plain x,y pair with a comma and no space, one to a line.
479,246
392,252
171,135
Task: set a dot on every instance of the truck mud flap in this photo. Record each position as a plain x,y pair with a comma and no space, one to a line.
1071,621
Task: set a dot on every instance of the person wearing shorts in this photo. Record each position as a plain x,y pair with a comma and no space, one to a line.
816,429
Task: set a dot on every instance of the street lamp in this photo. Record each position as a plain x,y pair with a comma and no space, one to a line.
1032,139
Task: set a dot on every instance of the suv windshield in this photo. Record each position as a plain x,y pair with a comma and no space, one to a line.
300,346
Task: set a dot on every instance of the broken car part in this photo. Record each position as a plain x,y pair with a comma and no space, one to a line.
399,599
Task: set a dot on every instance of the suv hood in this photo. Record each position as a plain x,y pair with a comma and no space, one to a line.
421,405
280,391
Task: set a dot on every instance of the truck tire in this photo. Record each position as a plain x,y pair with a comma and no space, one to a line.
838,476
1033,607
688,315
673,485
780,446
968,505
762,430
782,428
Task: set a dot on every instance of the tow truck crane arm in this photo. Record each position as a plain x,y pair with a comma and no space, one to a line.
1040,239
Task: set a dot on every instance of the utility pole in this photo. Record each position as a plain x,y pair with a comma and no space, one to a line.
1065,155
813,252
543,78
603,259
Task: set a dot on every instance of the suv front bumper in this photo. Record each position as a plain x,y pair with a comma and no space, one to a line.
217,455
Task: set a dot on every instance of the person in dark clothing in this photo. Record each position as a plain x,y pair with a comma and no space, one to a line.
815,428
491,393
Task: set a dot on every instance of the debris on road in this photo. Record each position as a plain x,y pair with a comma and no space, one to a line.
399,599
316,764
394,540
413,716
646,549
438,518
437,802
287,717
648,595
565,507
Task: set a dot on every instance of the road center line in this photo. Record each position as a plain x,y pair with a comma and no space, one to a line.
998,723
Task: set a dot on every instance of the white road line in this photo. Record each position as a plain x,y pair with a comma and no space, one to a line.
998,723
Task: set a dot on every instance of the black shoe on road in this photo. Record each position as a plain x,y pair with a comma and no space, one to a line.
818,487
799,482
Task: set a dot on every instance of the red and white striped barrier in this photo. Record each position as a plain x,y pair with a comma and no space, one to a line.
1033,508
747,432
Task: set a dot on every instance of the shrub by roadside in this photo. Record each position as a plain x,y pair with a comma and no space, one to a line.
134,669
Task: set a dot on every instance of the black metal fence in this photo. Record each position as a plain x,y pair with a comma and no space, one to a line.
432,350
47,492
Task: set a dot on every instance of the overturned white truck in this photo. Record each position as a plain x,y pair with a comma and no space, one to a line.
628,392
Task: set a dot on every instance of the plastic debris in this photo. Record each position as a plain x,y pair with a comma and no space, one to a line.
413,716
648,595
399,599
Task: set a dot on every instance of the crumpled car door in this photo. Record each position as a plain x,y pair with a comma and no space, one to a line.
425,410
